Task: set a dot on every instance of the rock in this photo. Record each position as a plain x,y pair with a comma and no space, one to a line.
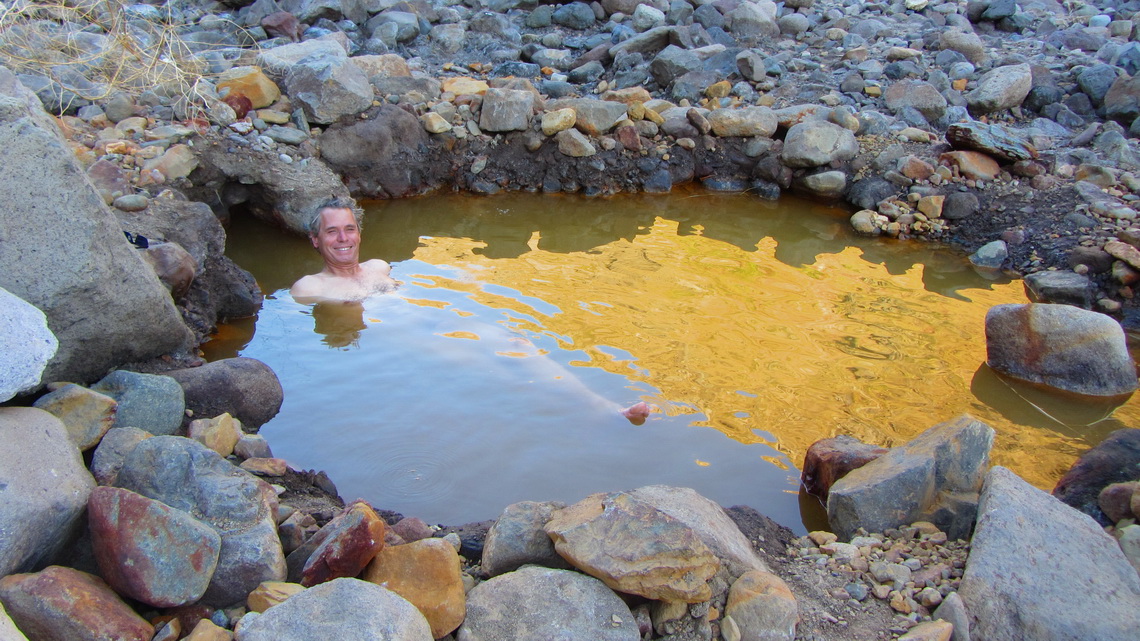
147,401
867,193
1029,561
762,607
1001,88
101,300
824,184
993,140
243,387
953,611
816,143
382,156
929,631
569,606
187,476
866,222
8,631
517,538
1123,252
935,477
753,21
87,415
1116,459
506,110
1096,80
173,265
917,94
206,630
220,433
959,205
340,609
634,547
427,574
575,15
342,548
830,459
1129,539
113,450
1060,346
251,83
971,164
558,120
1115,500
26,344
252,446
176,162
412,528
592,117
265,466
148,551
1122,102
271,593
62,603
748,121
572,143
967,44
328,87
43,488
1061,287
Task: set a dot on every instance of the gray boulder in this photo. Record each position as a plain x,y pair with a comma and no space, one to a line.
104,304
542,603
752,21
147,401
1122,102
245,388
382,156
328,87
1040,570
43,488
591,117
241,508
935,477
824,184
673,62
920,95
1001,88
1062,287
517,539
26,345
1060,346
113,449
814,143
348,609
990,256
506,110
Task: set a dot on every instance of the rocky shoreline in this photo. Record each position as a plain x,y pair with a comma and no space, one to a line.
1005,128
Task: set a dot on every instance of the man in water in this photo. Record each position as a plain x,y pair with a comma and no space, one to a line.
335,233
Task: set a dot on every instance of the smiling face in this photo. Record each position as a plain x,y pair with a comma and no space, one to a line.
338,238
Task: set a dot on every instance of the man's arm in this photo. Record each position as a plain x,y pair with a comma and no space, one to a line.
306,287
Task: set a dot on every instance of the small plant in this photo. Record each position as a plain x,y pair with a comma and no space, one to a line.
89,49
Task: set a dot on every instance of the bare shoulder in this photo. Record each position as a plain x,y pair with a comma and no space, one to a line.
377,266
306,286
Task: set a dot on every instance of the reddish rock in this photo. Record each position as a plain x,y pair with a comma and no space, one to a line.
239,103
413,528
282,24
628,137
149,551
971,164
830,459
62,604
1115,460
1115,500
344,546
915,168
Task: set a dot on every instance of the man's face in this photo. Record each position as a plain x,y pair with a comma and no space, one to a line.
338,239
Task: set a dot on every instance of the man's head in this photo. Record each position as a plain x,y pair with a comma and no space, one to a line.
335,232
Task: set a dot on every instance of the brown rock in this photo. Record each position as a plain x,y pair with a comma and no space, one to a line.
220,433
343,547
929,631
282,24
633,547
413,528
915,168
271,593
265,466
87,415
149,551
628,137
931,205
173,265
62,604
830,459
1116,500
628,96
207,631
762,607
993,140
426,573
1119,251
971,164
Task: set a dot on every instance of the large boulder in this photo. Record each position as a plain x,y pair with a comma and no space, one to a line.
241,508
149,551
1116,459
1001,88
340,609
43,488
244,388
506,110
61,603
830,459
1040,570
517,538
151,402
935,477
634,547
427,574
381,156
814,143
26,345
916,94
752,21
1060,346
62,251
543,603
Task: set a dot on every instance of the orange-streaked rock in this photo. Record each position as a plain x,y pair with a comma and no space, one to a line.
87,415
251,83
345,545
971,164
426,573
830,459
271,593
62,603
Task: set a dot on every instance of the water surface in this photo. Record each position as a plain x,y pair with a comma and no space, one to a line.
494,374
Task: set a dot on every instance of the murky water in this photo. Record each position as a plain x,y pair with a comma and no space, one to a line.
524,322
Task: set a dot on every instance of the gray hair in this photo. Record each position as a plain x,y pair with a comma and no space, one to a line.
339,202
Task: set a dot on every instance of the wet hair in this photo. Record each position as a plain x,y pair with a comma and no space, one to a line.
339,202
